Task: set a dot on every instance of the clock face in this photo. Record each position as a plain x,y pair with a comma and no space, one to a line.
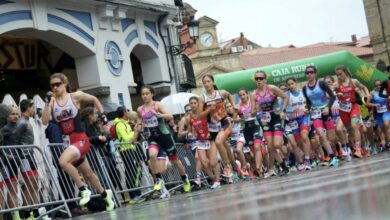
207,39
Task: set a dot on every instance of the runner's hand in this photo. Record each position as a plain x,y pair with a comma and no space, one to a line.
326,111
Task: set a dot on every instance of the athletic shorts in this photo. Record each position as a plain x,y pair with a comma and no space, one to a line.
346,117
79,142
161,155
252,133
11,167
202,145
270,123
380,118
320,120
233,142
294,127
224,125
165,142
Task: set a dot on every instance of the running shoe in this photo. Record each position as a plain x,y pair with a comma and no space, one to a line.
164,193
300,167
246,175
293,168
136,200
110,205
314,163
85,197
285,170
272,173
358,153
366,153
158,184
258,172
347,154
198,181
216,185
235,177
333,162
325,161
266,175
15,216
307,165
340,153
31,217
187,185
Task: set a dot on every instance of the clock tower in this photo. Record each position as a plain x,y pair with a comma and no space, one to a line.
207,43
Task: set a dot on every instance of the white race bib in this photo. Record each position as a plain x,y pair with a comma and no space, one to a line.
381,109
214,127
345,106
151,122
202,145
316,113
265,117
293,125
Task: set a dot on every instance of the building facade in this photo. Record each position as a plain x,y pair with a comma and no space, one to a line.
378,20
106,48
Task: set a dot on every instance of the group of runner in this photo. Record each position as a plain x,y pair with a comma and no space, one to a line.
272,130
269,132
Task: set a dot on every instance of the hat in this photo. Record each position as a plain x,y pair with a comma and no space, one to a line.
5,110
25,104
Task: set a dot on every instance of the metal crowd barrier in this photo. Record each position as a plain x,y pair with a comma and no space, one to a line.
22,186
125,172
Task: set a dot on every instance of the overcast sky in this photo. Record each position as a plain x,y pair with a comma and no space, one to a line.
282,22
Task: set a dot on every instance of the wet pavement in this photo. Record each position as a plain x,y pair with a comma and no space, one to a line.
355,190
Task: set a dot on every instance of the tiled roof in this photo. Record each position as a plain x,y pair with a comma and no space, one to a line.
269,56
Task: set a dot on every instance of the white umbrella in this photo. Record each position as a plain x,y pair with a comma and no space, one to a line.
22,97
175,103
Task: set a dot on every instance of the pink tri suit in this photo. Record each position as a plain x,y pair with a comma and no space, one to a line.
269,120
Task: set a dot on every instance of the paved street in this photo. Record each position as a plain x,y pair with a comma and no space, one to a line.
354,190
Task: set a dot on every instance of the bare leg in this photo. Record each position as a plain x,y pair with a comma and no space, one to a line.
90,176
67,157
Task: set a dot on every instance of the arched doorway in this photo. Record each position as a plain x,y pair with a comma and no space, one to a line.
28,57
145,65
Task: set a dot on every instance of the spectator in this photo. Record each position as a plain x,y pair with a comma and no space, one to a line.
128,151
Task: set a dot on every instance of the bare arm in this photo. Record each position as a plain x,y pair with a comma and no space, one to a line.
226,95
254,104
80,96
182,132
369,101
361,87
278,92
202,113
164,112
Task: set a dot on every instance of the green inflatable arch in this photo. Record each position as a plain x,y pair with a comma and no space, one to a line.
277,74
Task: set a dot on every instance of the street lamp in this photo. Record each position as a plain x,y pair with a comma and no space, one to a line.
193,30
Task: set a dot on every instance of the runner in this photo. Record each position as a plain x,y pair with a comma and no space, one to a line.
344,152
381,112
154,115
252,132
385,93
219,126
349,107
64,107
298,120
266,105
237,140
205,149
319,105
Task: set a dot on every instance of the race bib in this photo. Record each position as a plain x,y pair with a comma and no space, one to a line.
214,127
381,109
203,145
293,125
151,122
316,113
265,117
345,106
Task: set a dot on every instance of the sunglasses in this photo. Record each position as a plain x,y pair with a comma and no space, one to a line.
259,78
310,72
55,85
188,110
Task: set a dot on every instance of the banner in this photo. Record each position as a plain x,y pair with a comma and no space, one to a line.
325,64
